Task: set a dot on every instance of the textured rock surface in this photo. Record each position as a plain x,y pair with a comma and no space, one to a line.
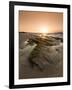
40,57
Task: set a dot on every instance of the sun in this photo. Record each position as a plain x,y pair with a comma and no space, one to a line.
44,30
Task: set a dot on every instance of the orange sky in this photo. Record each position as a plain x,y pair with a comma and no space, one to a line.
33,21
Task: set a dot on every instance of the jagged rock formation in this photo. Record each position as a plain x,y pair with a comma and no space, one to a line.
40,56
44,52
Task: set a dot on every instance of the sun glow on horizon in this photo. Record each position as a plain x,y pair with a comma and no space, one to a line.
44,30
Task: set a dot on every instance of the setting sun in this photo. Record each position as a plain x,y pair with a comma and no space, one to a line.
44,30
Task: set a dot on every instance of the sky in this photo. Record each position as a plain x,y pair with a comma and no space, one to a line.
40,22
